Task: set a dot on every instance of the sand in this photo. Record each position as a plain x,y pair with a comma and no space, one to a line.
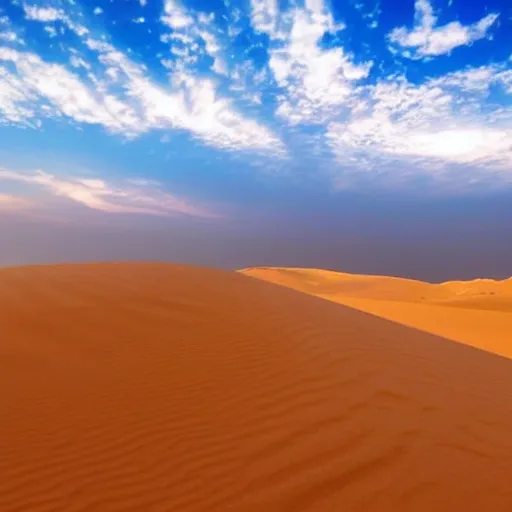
153,387
477,313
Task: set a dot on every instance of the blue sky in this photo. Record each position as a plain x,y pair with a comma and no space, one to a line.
361,136
198,107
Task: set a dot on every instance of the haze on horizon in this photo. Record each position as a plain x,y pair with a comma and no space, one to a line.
368,137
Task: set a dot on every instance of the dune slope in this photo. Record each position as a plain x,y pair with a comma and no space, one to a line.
477,313
152,387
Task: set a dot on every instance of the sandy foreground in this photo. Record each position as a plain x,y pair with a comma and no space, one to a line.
477,313
153,387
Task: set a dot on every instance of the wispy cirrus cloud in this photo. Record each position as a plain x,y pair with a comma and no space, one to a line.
16,103
131,196
429,126
426,39
40,89
51,15
316,82
193,105
119,95
192,37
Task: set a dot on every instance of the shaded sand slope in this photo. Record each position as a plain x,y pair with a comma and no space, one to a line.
140,387
478,313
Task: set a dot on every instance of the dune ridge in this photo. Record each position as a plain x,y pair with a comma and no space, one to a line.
477,312
382,287
154,387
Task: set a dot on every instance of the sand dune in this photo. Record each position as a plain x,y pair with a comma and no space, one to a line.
478,313
152,387
324,282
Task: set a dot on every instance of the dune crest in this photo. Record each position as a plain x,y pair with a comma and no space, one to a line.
153,387
381,287
477,312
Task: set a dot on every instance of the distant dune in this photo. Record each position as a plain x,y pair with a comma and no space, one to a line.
153,387
478,313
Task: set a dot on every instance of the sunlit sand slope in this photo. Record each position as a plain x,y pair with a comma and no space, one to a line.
140,387
478,313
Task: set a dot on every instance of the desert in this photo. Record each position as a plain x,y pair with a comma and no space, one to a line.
159,387
476,312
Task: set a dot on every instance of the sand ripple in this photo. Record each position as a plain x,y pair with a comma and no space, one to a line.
148,387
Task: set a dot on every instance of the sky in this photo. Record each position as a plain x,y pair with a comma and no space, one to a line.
369,136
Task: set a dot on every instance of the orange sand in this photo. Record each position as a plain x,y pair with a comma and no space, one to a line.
478,313
152,387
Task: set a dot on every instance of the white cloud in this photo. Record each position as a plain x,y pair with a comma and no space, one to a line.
317,82
264,16
219,66
123,100
428,126
43,14
143,3
505,79
213,49
425,39
194,106
15,101
248,82
50,15
7,33
97,11
192,36
175,16
8,36
78,62
51,31
134,196
469,80
461,145
62,93
204,18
